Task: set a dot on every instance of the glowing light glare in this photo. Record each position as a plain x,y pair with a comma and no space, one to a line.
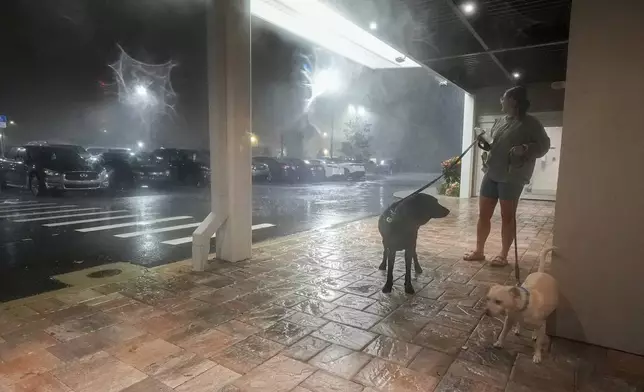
253,140
141,91
362,111
325,152
373,26
325,134
140,144
352,110
323,26
325,81
12,122
469,8
516,75
104,130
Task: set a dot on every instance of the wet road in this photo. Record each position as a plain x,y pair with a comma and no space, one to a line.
54,235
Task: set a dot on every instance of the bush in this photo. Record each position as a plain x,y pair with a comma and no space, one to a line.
452,177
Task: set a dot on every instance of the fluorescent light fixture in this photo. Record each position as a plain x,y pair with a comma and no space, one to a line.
323,26
469,8
373,26
516,74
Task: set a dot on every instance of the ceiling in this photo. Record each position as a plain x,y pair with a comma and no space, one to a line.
485,48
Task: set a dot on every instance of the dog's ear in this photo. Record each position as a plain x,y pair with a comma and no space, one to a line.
514,291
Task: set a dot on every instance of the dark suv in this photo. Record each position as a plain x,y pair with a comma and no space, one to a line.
185,166
43,168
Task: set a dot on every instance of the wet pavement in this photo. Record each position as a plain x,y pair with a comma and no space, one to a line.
44,237
306,314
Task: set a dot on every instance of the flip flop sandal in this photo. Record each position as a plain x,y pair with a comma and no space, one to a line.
474,256
499,261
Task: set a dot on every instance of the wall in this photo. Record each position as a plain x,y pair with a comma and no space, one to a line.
543,98
599,219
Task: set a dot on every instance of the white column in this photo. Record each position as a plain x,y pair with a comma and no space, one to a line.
229,98
467,164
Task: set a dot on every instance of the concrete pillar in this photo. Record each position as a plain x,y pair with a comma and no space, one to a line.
599,218
467,163
229,99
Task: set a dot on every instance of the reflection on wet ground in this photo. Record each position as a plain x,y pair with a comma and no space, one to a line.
305,315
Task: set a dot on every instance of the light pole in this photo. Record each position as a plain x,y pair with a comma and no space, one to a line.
323,82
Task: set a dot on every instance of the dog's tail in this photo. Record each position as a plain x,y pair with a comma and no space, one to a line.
542,257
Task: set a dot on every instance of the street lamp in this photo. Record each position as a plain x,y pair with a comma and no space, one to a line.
325,152
253,140
140,144
324,134
11,122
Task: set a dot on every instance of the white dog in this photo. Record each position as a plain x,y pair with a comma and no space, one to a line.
531,303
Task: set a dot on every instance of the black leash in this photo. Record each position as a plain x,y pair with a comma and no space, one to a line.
516,249
456,162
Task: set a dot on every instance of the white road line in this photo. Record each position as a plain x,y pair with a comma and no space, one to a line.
19,215
4,208
67,216
185,240
89,220
140,223
17,202
21,210
159,230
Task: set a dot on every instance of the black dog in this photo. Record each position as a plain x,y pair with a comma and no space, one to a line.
398,226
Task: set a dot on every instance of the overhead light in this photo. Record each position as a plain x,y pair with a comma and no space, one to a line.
323,26
468,8
516,75
373,26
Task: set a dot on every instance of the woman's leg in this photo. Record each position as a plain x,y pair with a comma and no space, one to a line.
488,197
508,222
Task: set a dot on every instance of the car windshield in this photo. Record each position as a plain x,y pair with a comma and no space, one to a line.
56,154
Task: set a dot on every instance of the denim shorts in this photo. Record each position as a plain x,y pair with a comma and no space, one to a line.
500,190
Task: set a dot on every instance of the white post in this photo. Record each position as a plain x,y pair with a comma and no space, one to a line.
467,164
229,97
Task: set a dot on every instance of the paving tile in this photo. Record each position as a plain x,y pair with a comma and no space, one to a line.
19,368
97,373
353,317
381,308
179,368
340,361
314,307
244,356
74,328
354,301
16,344
212,380
306,348
162,326
402,324
286,333
148,385
441,338
547,374
392,350
144,352
364,288
41,383
266,316
322,381
206,343
306,320
344,335
279,374
431,362
478,373
289,300
237,329
319,293
390,377
461,384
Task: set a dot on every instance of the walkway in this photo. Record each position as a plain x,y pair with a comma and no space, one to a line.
305,315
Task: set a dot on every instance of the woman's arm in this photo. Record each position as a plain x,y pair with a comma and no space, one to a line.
540,144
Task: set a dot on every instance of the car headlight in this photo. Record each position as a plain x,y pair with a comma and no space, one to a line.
51,173
103,174
167,173
382,163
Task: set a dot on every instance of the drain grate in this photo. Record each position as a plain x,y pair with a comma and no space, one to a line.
106,273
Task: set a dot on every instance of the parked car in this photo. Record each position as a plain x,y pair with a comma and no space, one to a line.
148,171
332,171
119,168
260,171
353,170
315,169
387,166
280,170
43,168
305,170
184,165
80,150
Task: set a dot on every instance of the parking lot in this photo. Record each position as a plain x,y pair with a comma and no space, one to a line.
46,236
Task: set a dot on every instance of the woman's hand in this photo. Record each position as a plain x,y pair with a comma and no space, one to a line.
519,151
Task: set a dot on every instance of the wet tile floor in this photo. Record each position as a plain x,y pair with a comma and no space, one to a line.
305,314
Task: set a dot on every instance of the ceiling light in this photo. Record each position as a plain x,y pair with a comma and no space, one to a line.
373,26
516,74
323,26
468,8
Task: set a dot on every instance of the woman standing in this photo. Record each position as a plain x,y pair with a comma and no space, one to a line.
518,141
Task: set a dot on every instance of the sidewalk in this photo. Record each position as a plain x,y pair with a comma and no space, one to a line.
305,315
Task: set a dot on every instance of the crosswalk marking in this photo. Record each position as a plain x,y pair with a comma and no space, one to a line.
20,211
159,230
89,220
19,215
4,208
141,223
67,216
185,240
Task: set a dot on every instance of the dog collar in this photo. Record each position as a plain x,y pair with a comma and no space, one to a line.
527,298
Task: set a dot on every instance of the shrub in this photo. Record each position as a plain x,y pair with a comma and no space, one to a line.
452,177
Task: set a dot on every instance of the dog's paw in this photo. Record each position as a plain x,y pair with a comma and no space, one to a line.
409,289
536,358
535,335
517,329
382,267
387,288
418,271
498,344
